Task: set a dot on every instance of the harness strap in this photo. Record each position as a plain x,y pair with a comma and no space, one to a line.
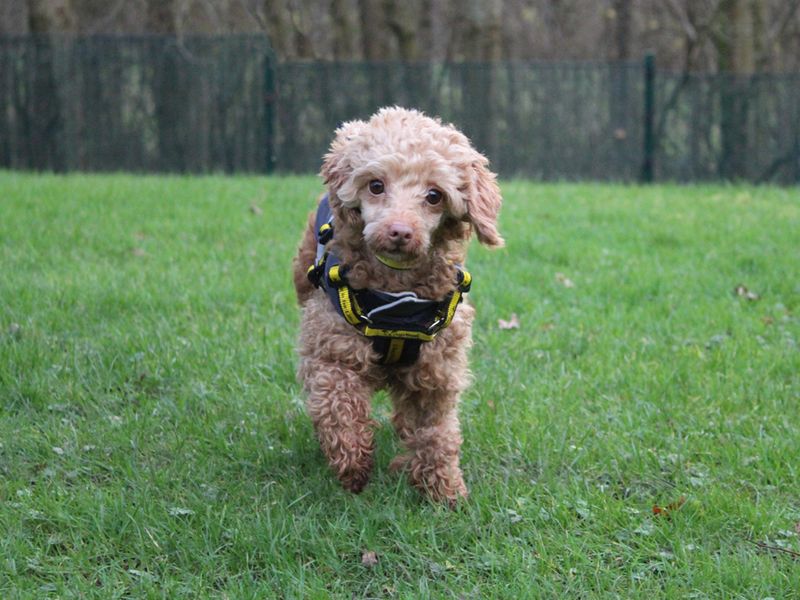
397,323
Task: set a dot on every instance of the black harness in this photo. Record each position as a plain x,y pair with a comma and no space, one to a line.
397,323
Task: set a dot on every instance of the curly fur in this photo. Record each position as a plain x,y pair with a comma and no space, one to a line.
410,154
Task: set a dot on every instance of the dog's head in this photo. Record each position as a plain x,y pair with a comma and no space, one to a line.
406,179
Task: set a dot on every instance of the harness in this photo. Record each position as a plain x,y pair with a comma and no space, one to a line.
397,323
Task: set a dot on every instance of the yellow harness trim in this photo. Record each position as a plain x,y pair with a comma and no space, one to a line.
395,333
395,351
451,308
395,264
334,274
347,306
467,279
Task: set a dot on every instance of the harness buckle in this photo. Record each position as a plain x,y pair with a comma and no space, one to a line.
325,233
315,272
434,327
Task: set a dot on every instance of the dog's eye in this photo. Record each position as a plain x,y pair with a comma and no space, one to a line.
433,196
376,187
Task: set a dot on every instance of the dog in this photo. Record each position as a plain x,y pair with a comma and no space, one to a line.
380,279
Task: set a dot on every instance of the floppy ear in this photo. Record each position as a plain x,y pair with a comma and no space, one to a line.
337,163
337,170
483,204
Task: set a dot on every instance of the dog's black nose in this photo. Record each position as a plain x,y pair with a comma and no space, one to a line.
400,233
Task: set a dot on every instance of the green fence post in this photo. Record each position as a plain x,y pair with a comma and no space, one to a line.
649,117
270,98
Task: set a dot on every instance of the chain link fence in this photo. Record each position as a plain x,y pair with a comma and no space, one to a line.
204,104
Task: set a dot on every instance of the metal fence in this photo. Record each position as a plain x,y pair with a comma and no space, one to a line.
201,104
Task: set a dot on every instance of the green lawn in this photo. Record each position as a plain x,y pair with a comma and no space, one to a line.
153,441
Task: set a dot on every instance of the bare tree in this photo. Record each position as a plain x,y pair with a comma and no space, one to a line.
734,35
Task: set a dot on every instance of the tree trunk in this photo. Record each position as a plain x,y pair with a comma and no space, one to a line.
45,122
620,83
167,86
736,51
622,29
373,21
342,34
402,21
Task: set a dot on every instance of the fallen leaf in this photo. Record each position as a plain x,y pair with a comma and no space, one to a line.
742,291
547,326
767,320
564,280
137,251
369,559
669,508
256,209
512,323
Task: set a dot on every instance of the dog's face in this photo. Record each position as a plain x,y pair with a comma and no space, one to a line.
408,178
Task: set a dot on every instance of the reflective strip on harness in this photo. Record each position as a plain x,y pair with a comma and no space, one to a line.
347,306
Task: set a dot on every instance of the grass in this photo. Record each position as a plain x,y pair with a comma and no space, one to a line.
153,441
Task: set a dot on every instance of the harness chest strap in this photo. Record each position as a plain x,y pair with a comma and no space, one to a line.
398,324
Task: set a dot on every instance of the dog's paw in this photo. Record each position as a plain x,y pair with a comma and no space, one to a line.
355,481
453,497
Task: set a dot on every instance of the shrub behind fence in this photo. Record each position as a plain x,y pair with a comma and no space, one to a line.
200,104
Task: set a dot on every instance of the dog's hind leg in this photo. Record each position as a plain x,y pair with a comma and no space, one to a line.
339,406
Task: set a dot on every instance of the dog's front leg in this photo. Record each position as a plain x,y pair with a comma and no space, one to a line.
427,423
339,406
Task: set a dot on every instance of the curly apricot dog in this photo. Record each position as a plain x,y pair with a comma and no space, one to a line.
380,277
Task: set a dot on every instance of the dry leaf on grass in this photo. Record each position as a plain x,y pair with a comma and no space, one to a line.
512,323
665,511
564,280
137,251
742,291
369,558
256,209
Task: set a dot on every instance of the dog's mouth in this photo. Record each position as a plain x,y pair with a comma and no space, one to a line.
397,246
